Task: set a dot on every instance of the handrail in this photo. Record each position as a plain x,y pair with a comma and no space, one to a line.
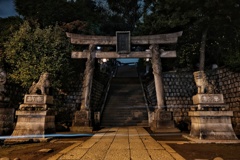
113,73
147,104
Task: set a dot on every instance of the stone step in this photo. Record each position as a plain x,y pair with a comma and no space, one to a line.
127,119
131,105
131,123
125,105
143,124
116,111
125,80
124,115
126,109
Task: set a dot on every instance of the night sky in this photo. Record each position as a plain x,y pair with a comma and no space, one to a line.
7,8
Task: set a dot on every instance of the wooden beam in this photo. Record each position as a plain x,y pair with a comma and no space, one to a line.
146,54
168,54
116,55
169,38
79,54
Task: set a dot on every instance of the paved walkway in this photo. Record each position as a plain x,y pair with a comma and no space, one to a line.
125,143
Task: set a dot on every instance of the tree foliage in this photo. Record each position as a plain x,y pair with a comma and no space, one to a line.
207,28
48,12
124,14
32,51
164,16
7,28
219,18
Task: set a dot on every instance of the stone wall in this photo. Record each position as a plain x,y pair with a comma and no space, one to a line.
228,83
100,81
6,120
68,102
178,90
179,87
15,94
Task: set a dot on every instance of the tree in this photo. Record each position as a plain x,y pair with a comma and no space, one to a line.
123,14
7,28
210,21
32,51
215,16
48,12
164,16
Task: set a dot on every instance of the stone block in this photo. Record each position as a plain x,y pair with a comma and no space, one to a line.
82,121
163,122
210,113
6,120
212,125
38,99
208,99
32,126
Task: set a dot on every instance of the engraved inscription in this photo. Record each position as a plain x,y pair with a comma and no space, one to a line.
34,99
211,99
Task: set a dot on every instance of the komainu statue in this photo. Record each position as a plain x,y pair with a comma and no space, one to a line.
3,79
201,81
42,85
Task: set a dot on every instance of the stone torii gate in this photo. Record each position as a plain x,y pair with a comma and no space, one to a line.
122,41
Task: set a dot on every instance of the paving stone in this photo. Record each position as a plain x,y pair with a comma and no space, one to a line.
46,150
119,144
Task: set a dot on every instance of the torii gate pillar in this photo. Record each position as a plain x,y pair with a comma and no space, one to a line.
162,120
157,72
82,118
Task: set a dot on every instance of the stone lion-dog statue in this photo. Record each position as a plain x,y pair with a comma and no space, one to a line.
42,85
202,84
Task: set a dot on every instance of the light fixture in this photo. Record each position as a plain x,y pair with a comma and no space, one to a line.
104,60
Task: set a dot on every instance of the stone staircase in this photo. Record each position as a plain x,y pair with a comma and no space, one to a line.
125,105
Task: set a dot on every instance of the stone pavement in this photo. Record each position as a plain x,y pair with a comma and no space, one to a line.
119,143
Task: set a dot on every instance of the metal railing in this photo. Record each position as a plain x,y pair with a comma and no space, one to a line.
147,103
106,91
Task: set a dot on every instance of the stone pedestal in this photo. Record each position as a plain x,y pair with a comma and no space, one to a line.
163,122
209,102
236,126
35,120
36,102
210,118
82,121
6,119
214,125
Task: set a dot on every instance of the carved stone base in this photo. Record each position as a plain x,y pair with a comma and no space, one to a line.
214,125
82,121
36,102
32,126
208,102
163,122
236,122
6,119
